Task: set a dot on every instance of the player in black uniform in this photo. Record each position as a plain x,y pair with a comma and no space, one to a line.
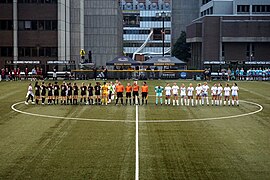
97,93
76,93
69,93
83,93
90,94
50,93
63,93
43,93
37,92
56,89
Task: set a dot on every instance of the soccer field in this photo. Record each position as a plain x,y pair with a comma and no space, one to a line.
101,142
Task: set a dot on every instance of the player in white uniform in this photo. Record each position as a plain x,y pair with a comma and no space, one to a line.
235,90
198,94
205,89
183,94
227,92
214,94
219,94
30,95
168,92
175,90
190,90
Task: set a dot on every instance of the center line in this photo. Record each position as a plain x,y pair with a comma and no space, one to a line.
137,143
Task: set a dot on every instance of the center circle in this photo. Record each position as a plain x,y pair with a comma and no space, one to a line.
13,107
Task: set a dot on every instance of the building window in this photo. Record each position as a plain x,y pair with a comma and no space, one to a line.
38,1
243,8
261,8
6,1
48,25
205,1
250,53
6,25
132,20
38,52
6,51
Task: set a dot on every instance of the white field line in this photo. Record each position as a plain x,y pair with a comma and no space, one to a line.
13,107
137,144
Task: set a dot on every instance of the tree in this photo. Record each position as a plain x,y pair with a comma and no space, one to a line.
181,49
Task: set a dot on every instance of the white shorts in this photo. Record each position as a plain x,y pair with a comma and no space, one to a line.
204,94
234,94
219,95
168,94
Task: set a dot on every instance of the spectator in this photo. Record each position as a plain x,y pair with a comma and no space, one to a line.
26,73
54,73
105,72
7,74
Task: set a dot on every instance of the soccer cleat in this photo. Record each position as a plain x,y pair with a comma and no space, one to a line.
26,103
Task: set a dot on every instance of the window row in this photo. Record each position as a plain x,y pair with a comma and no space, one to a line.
38,52
207,11
6,1
155,19
255,8
148,45
6,51
38,1
6,25
205,1
47,25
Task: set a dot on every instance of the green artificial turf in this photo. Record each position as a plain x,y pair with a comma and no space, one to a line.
34,147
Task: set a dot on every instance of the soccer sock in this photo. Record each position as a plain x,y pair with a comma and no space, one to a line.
192,102
182,101
57,101
173,102
165,101
185,101
70,101
122,101
237,102
138,100
84,99
224,102
134,100
116,102
142,101
169,101
161,100
212,102
99,101
188,102
43,100
200,101
126,101
229,102
130,101
81,100
207,100
232,102
220,102
177,102
156,100
146,101
196,102
106,103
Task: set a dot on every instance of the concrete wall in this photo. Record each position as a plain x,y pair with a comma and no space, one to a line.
183,13
103,30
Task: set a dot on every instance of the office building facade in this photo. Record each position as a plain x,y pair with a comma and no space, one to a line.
143,28
238,33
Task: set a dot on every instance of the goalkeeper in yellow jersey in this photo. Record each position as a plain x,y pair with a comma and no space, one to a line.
105,93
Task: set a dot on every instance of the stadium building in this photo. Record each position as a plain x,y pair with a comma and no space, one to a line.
230,32
46,33
143,27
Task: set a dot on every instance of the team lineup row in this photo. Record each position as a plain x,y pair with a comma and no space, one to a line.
104,94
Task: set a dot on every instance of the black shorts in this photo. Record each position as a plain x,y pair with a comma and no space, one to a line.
90,94
50,93
128,94
120,94
43,94
76,93
135,93
63,93
69,93
97,93
56,93
144,94
37,93
83,93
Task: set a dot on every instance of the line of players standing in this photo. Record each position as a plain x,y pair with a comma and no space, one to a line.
99,94
201,94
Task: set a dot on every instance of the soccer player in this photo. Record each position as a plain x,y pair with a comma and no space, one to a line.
90,89
63,93
227,91
190,90
37,92
235,90
168,92
136,88
43,92
112,92
119,93
219,94
175,90
205,89
198,94
104,90
214,94
159,92
83,93
50,93
144,93
69,93
30,95
56,89
183,95
128,93
75,94
97,93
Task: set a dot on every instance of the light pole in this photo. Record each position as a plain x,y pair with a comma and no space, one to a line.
163,15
